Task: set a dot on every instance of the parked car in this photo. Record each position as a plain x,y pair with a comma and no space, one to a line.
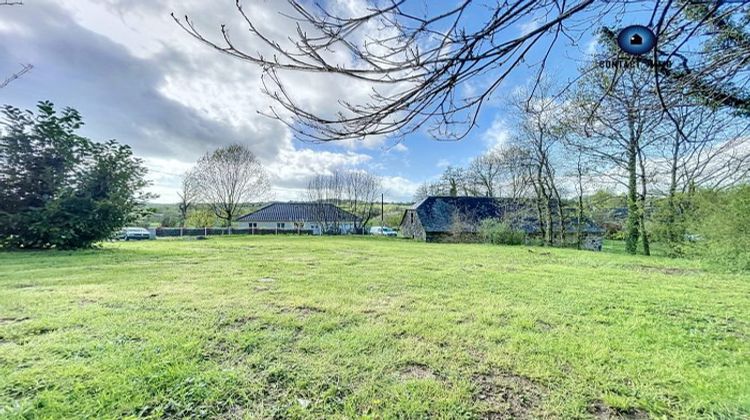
382,231
133,233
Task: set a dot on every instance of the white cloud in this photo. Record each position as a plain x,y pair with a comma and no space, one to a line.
443,163
398,188
497,135
400,147
135,75
528,26
591,46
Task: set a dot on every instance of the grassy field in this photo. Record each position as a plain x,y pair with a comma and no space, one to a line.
348,327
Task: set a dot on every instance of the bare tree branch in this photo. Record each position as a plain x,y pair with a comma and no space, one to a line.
416,65
25,69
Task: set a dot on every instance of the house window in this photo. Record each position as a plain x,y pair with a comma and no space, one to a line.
412,217
280,225
252,225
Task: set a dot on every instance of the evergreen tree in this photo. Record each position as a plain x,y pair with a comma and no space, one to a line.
59,189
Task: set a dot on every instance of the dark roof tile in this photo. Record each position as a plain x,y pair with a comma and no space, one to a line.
297,212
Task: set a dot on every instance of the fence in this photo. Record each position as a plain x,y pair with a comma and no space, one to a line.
177,232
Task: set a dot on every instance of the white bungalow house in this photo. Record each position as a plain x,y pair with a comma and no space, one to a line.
315,218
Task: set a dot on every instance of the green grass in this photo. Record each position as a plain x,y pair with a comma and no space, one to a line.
348,327
658,249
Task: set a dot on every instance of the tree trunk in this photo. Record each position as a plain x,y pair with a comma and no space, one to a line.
550,224
540,213
579,224
671,218
560,211
540,167
642,206
631,228
545,201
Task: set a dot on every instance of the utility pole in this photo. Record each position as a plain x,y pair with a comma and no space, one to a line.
382,210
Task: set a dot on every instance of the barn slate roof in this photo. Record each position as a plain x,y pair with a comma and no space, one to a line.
297,212
437,214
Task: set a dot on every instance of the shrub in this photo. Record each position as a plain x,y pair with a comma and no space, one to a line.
500,233
722,226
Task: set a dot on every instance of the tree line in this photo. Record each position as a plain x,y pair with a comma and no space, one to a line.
610,134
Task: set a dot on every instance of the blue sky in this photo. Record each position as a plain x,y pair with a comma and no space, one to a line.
137,78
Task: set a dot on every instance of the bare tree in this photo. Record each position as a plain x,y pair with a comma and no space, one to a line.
361,190
708,150
454,181
353,191
428,189
485,172
541,131
580,171
514,177
188,194
620,115
416,62
457,182
228,178
323,191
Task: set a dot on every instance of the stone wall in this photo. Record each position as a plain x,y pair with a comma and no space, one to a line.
411,226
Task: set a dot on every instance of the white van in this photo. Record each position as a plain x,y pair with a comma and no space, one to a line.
382,231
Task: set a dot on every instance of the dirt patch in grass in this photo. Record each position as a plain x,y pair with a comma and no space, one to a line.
86,302
236,322
600,410
242,321
416,371
8,321
304,310
672,271
42,330
542,325
372,313
233,412
125,339
504,395
377,308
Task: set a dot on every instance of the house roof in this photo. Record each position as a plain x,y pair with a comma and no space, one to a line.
440,214
297,212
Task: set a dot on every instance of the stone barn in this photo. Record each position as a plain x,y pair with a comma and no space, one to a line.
437,219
